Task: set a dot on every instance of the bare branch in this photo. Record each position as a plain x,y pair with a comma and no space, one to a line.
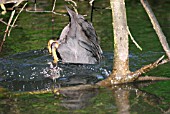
133,40
1,20
17,3
111,80
134,75
52,11
152,78
16,18
54,6
6,31
157,27
45,12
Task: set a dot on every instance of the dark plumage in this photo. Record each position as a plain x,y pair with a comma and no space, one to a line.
78,42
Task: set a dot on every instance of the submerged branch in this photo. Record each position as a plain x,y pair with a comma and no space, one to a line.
152,78
157,27
35,92
58,91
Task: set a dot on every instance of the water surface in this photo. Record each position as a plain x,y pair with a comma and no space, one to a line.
25,64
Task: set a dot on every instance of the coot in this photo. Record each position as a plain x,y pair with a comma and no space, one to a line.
78,42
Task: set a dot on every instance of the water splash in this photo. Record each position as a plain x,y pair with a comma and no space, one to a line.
33,70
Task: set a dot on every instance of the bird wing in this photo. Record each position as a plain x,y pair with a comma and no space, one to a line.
91,35
91,49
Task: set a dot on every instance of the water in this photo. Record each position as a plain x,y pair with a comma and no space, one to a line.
32,71
26,66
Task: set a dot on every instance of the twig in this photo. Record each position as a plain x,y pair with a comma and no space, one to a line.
152,78
16,18
45,12
52,20
157,27
18,3
133,40
52,11
54,6
6,31
1,20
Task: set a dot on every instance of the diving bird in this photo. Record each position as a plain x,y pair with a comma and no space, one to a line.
78,42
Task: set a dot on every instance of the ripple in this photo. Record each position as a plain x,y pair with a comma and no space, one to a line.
33,70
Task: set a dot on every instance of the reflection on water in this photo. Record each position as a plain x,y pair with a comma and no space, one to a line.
31,70
142,102
121,99
78,97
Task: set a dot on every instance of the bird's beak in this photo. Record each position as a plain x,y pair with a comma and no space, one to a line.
52,46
